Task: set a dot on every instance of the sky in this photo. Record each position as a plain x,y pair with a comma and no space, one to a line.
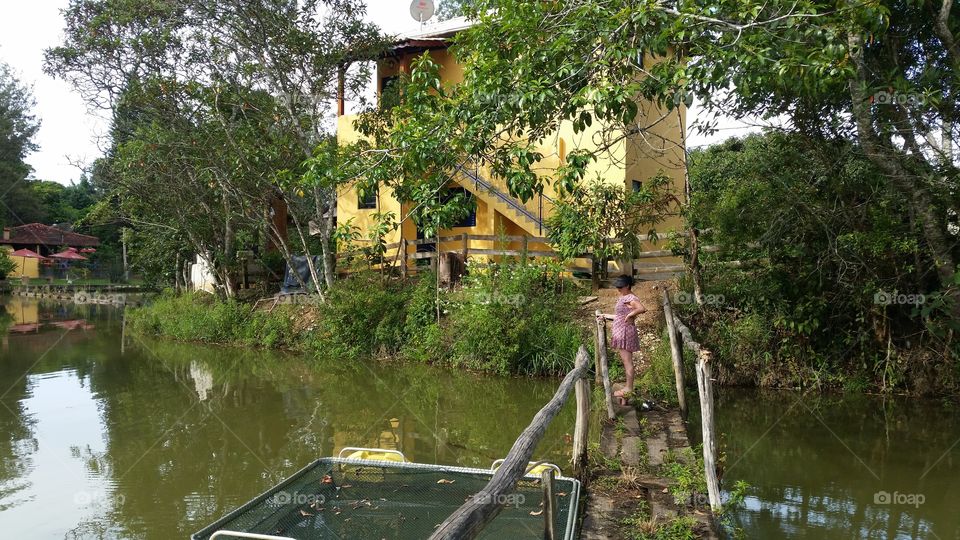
72,136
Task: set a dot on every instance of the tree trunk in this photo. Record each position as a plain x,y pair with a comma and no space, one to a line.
695,273
229,250
326,250
126,267
907,182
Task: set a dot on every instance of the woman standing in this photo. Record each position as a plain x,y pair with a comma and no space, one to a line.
624,337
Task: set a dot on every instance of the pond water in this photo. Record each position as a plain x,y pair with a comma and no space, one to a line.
107,435
841,467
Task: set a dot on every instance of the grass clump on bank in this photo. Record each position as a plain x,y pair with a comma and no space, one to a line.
506,318
202,318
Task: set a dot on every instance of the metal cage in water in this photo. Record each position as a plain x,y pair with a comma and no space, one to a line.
348,498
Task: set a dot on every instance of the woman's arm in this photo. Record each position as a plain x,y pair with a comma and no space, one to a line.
638,308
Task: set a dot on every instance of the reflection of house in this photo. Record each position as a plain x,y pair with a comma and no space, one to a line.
628,163
25,314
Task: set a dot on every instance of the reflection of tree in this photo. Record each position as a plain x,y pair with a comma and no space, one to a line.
17,442
178,463
807,482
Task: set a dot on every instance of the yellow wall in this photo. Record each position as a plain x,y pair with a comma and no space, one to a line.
23,267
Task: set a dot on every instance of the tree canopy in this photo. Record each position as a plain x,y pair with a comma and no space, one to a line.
216,104
18,126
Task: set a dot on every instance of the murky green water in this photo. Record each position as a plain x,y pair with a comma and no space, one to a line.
841,467
104,437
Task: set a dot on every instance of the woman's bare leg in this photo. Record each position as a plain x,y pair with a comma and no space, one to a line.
627,358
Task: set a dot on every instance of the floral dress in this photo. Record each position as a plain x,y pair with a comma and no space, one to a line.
624,331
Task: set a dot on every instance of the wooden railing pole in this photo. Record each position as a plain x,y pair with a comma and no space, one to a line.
468,521
581,430
546,479
403,258
602,364
705,388
466,246
676,354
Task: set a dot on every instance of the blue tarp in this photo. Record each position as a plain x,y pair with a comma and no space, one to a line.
290,283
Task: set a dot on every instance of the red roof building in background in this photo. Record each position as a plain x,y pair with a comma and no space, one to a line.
45,239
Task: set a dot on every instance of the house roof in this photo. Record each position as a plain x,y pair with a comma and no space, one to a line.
441,29
33,234
430,36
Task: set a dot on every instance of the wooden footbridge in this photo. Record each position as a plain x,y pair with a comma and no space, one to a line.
621,439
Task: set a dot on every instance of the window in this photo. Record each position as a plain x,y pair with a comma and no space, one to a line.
368,200
390,92
637,186
470,220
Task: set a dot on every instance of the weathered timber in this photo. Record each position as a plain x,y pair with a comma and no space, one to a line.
513,252
602,364
705,388
676,354
468,520
549,508
581,429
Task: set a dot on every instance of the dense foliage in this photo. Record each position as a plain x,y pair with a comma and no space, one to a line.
514,318
837,289
215,105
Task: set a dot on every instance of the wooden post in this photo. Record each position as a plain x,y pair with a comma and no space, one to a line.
705,389
581,430
466,246
469,520
602,364
594,273
546,479
525,247
705,386
403,258
676,353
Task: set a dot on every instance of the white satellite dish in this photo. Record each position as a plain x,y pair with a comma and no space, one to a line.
421,10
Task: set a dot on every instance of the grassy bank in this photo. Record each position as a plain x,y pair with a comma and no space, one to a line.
504,319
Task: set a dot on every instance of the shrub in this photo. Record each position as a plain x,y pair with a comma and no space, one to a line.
6,264
514,318
364,315
200,317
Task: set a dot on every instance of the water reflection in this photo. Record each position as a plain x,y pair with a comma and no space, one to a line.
105,437
842,467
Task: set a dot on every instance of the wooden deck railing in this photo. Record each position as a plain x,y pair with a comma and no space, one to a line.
491,245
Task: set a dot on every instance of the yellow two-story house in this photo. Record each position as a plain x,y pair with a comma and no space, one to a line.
658,147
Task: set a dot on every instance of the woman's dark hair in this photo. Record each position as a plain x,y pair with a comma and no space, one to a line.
623,281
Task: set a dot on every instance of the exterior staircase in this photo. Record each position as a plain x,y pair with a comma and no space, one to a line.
530,216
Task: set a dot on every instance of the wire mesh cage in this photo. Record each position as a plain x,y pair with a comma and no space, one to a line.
362,499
